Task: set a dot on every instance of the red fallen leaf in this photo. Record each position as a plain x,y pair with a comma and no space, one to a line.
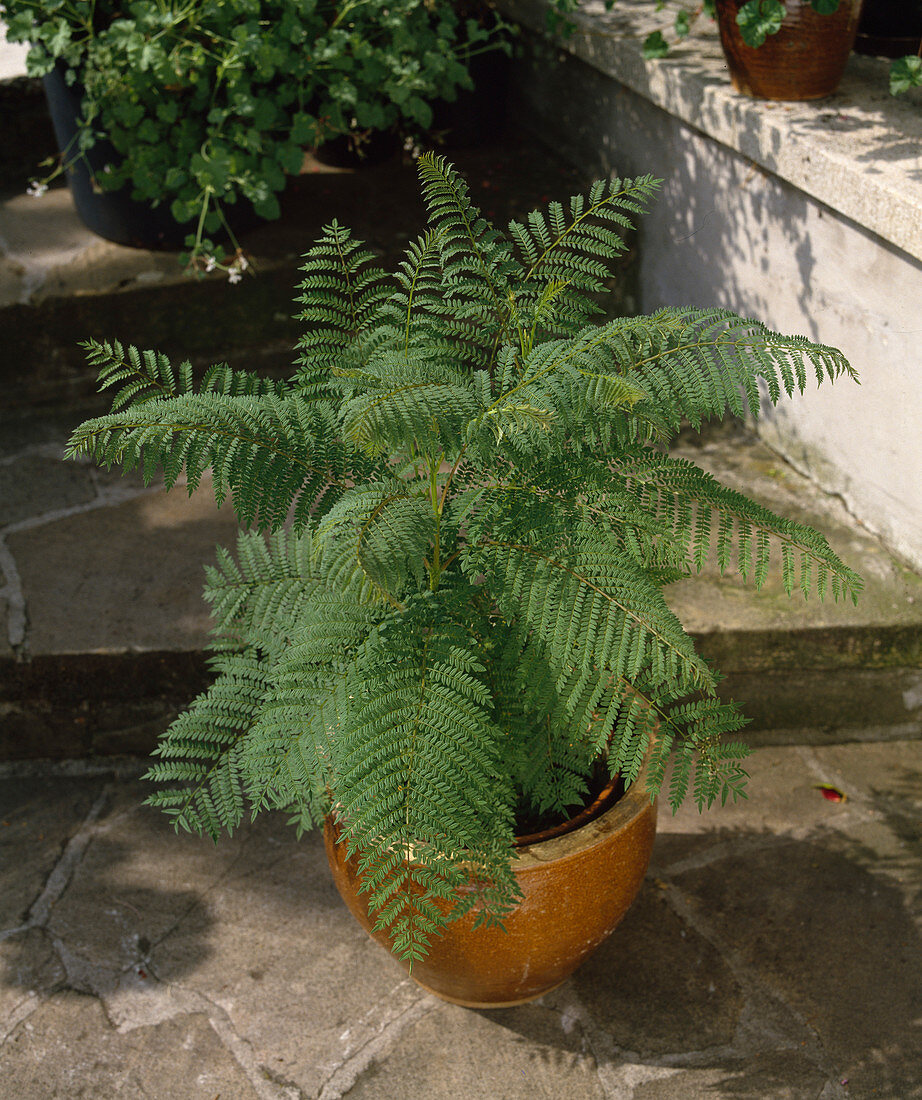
831,794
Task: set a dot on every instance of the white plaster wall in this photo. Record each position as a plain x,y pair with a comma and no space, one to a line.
12,56
726,233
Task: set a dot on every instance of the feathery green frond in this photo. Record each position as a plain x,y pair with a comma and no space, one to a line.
376,538
340,293
687,501
702,364
201,749
145,374
150,374
573,250
269,451
457,621
422,753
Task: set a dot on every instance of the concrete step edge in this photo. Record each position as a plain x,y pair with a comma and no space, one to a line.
86,704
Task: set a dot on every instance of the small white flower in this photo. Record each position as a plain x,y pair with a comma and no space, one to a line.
241,263
210,263
36,189
233,275
412,148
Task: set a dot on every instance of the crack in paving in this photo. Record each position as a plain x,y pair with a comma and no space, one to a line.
771,1023
618,1071
190,1001
20,1013
374,1036
61,874
37,916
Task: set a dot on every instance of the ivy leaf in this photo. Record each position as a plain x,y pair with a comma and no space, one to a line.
184,210
825,7
418,110
212,171
682,23
655,46
56,36
304,129
39,62
267,207
758,19
905,73
291,157
264,115
273,174
19,26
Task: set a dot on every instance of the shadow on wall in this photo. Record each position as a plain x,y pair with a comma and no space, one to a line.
724,231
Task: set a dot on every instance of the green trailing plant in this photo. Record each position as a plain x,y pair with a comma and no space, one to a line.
211,103
449,605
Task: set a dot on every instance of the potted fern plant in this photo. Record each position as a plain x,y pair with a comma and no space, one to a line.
455,632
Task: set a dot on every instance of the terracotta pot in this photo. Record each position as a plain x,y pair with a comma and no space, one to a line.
576,886
804,60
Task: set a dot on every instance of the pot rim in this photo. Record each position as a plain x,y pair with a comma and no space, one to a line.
579,837
631,805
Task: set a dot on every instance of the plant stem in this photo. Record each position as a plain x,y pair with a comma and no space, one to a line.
437,504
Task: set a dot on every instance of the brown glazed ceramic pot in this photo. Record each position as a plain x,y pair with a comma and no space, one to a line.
576,887
804,60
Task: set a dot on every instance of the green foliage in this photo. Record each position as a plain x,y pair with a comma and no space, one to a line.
211,103
905,73
758,19
458,611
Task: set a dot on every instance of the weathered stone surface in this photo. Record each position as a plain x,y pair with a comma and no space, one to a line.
284,958
775,951
657,987
66,1050
69,705
38,816
835,941
125,577
786,1075
29,970
783,799
516,1054
891,598
37,483
836,704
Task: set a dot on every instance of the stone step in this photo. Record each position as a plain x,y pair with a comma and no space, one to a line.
60,284
104,629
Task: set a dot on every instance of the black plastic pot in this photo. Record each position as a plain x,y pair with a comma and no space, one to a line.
478,115
115,215
890,28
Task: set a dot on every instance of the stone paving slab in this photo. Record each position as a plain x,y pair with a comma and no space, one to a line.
775,951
